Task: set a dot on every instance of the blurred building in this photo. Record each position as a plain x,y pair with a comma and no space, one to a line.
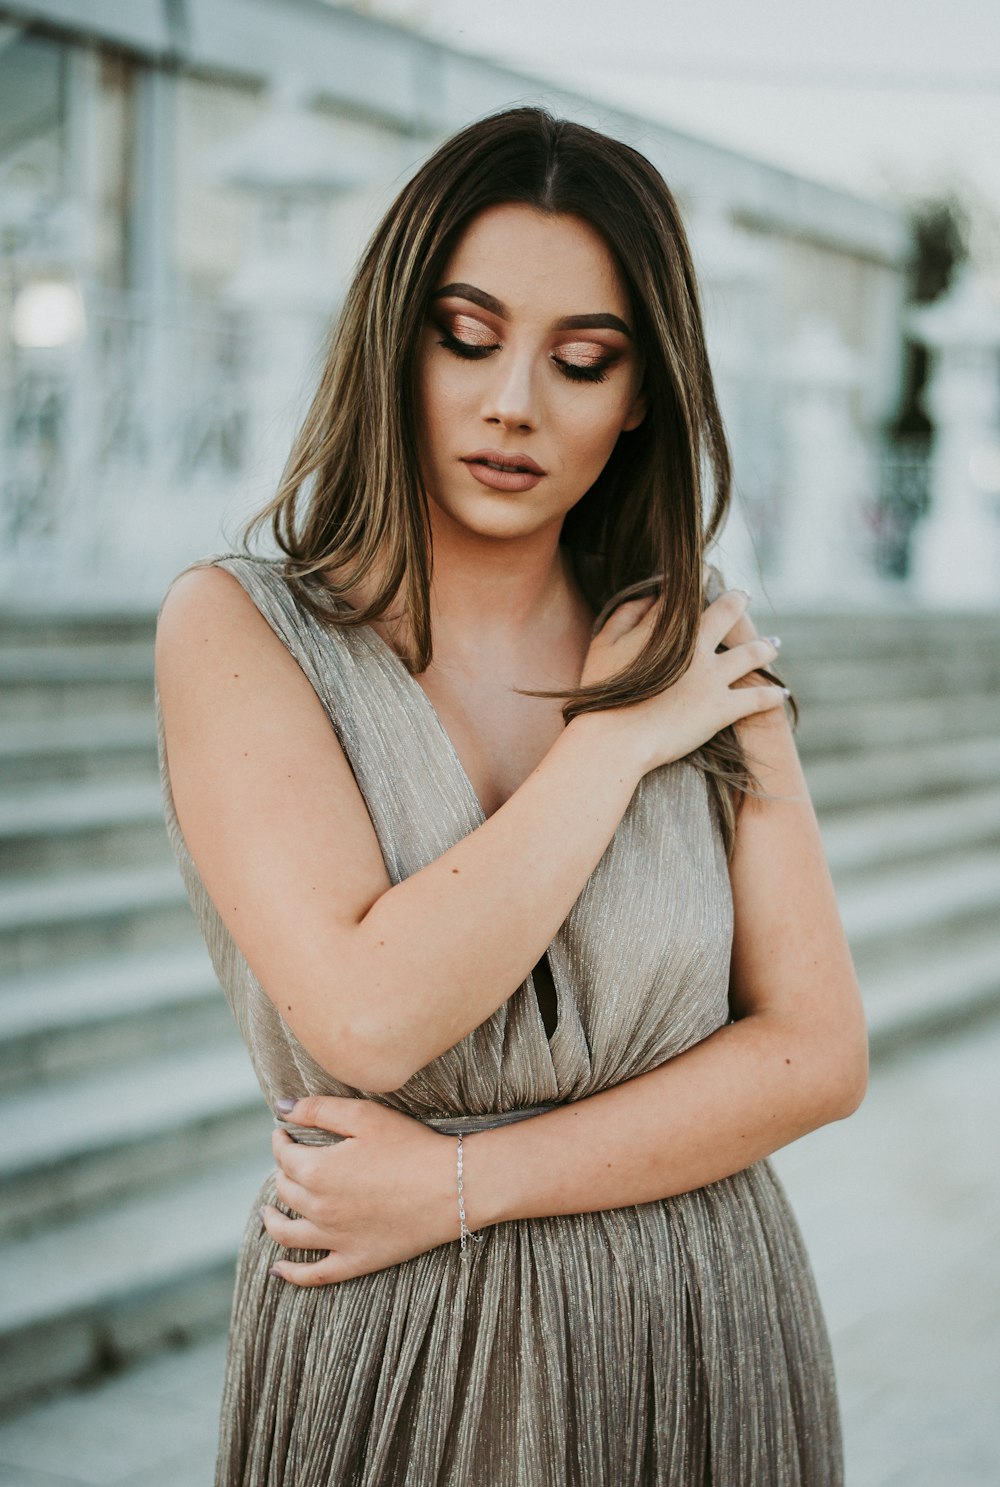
185,186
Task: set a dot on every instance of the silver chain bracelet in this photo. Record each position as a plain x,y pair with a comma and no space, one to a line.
466,1232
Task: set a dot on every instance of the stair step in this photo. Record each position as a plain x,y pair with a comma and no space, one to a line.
61,1021
48,919
892,920
862,726
78,746
41,682
74,624
76,805
857,842
128,660
50,898
107,1288
63,824
66,1147
827,680
882,637
912,770
947,985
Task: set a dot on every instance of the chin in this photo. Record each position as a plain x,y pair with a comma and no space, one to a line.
502,518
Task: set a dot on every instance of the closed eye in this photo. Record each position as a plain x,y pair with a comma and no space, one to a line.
466,348
469,352
596,373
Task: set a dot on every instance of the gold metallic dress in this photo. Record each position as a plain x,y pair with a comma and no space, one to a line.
677,1343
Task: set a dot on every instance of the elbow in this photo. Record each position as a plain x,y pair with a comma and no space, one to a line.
850,1083
370,1061
362,1060
380,1081
850,1097
373,1071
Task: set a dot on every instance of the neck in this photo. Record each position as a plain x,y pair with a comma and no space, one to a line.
499,591
504,594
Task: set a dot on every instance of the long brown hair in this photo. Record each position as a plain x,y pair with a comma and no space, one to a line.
350,497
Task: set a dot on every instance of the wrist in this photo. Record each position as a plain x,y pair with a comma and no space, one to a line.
607,738
487,1180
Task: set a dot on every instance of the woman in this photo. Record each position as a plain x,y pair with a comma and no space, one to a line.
525,891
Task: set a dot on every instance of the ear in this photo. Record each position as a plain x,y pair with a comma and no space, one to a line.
636,413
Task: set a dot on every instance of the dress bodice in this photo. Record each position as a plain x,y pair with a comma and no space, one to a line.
640,965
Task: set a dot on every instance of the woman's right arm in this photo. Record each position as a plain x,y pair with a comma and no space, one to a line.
376,980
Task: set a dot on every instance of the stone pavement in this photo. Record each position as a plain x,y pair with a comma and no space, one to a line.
900,1207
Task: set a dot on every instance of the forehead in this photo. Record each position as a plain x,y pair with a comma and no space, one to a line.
552,261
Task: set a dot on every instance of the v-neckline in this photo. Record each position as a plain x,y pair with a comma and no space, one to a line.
411,682
382,647
413,686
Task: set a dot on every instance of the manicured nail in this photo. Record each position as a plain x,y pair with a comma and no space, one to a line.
276,1273
260,1214
285,1104
775,640
785,692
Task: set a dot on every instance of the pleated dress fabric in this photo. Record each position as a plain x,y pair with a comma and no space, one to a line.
677,1343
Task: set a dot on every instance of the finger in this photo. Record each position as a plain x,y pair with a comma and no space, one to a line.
280,1141
292,1233
719,617
295,1161
751,655
323,1272
292,1194
758,699
744,629
336,1113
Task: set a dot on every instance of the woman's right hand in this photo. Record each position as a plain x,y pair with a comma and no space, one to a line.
699,703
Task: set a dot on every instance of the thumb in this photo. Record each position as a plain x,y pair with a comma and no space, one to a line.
332,1113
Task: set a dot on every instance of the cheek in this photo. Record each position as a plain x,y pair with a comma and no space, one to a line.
590,428
443,398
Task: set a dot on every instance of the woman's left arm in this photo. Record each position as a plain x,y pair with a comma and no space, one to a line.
795,1059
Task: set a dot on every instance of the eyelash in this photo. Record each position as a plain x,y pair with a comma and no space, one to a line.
597,373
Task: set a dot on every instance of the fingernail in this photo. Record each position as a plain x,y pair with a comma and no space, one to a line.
744,592
785,692
276,1273
285,1104
775,640
260,1214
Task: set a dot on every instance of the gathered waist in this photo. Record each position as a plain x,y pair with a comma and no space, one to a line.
448,1125
464,1125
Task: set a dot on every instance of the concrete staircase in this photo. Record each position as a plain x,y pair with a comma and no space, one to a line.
900,740
132,1134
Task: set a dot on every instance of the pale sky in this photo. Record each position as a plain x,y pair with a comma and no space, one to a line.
885,97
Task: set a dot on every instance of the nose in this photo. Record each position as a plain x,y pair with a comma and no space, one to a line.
510,398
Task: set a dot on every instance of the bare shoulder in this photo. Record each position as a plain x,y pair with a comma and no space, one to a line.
205,607
234,697
217,655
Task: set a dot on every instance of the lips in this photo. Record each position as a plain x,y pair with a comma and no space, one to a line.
496,459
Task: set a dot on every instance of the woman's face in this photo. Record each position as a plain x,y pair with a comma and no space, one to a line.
527,352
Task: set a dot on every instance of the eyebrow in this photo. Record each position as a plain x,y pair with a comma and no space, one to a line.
599,320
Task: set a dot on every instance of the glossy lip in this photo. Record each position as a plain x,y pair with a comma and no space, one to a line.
516,462
503,480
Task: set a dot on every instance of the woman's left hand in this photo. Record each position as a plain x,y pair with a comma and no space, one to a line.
384,1194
